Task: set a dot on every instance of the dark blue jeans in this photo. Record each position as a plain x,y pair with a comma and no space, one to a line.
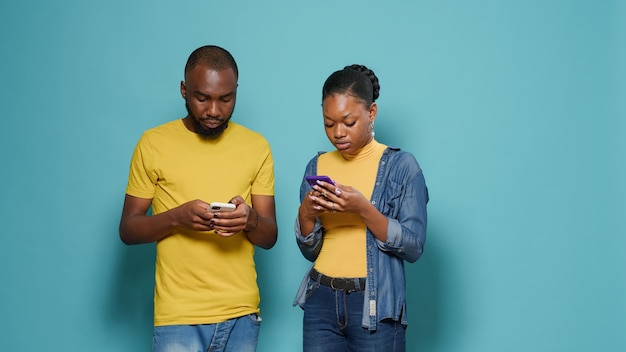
332,322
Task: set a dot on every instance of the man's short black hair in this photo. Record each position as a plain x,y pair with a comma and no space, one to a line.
212,56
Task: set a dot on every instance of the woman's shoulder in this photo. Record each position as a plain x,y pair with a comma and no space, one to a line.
402,158
397,152
311,165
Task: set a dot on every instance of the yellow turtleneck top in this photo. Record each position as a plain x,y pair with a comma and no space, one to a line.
343,253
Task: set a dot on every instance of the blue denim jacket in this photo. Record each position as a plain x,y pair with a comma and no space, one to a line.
401,195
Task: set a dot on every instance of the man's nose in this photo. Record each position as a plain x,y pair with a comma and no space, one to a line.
212,109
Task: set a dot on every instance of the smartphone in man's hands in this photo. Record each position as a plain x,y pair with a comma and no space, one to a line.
219,206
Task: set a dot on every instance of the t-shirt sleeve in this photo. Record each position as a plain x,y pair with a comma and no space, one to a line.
142,178
263,183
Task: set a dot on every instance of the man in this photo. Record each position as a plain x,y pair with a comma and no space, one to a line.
206,296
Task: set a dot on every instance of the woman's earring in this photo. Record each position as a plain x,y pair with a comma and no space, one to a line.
372,128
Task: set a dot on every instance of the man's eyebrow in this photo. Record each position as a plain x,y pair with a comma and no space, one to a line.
209,96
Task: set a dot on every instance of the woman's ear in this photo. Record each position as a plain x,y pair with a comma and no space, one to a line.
372,112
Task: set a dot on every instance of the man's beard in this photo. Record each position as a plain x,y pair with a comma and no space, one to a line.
211,133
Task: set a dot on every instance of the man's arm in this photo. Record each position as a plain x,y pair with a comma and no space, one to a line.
136,227
262,227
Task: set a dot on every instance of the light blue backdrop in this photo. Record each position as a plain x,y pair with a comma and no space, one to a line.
515,109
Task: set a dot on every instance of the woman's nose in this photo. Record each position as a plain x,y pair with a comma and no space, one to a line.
339,131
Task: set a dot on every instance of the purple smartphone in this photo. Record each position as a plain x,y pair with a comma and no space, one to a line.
312,180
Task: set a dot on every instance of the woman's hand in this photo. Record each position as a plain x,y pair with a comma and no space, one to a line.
340,198
309,209
337,198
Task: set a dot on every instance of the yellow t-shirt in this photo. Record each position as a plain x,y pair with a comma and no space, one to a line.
201,278
343,252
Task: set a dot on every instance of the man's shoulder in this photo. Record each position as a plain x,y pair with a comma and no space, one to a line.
239,128
166,126
242,131
165,130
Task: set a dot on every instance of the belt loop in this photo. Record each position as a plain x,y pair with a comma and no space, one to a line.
357,284
317,274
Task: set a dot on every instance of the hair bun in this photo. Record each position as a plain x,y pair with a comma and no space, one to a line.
370,74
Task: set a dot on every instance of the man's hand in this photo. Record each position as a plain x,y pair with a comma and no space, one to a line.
228,223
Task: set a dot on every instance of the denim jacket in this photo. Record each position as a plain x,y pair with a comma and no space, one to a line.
401,195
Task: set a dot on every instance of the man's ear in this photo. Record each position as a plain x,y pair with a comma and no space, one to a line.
183,90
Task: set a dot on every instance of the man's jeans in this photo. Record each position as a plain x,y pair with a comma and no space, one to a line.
332,322
234,335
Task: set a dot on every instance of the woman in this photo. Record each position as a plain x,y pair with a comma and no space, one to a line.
358,231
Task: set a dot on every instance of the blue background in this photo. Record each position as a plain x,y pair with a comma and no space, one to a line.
515,109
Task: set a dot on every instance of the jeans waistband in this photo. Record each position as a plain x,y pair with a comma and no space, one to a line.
339,283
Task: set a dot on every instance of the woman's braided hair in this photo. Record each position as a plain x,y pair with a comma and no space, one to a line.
355,80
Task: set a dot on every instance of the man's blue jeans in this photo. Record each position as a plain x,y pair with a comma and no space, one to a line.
332,322
234,335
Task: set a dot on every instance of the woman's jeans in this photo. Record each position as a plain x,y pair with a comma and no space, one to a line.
332,322
234,335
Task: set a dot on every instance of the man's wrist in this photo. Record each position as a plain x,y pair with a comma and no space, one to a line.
251,227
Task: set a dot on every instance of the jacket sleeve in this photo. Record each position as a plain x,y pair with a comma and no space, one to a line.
407,215
309,244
